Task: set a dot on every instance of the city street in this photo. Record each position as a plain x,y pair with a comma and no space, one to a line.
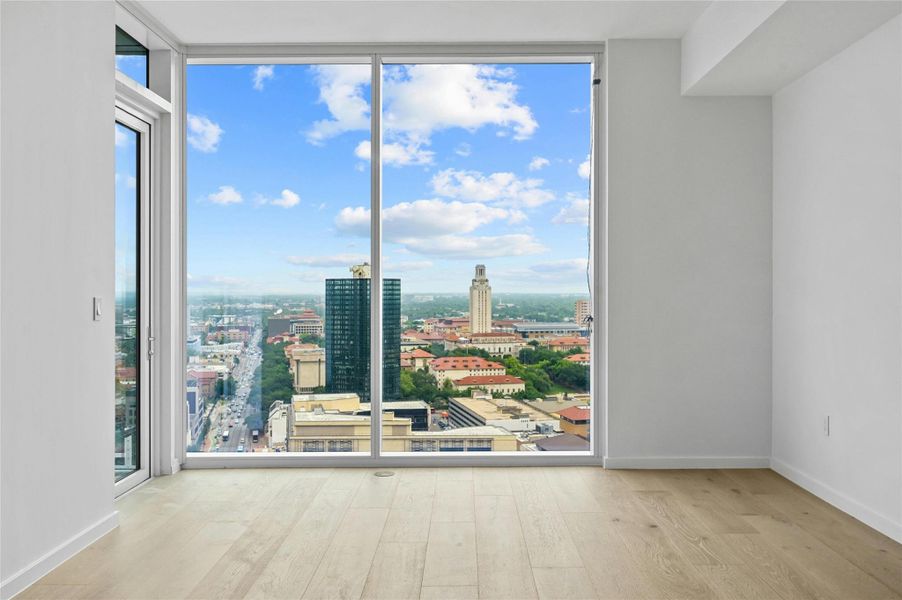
234,410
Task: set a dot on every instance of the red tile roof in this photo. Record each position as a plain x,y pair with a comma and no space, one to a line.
487,379
417,353
575,414
461,363
582,357
569,341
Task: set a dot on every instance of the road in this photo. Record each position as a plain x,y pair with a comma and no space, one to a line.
235,410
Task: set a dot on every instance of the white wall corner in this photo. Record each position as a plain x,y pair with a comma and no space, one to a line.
717,32
19,581
882,523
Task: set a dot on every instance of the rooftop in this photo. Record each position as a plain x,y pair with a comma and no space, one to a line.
544,326
397,405
492,335
562,443
458,363
417,353
479,431
575,414
487,379
568,341
581,357
497,410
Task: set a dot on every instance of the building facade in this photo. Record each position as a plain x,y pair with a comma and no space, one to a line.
581,312
347,332
457,367
496,343
277,426
307,363
500,385
480,302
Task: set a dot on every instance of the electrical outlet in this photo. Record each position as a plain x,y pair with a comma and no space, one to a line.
827,426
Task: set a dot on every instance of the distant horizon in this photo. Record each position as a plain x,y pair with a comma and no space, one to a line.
495,295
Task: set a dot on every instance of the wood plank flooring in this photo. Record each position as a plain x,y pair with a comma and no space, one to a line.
460,533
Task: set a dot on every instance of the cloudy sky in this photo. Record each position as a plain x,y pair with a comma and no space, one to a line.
482,164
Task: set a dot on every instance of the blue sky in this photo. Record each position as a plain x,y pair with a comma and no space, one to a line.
126,212
482,164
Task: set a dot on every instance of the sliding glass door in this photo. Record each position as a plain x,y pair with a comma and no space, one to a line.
130,306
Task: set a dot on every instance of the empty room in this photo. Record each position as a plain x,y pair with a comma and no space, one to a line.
451,299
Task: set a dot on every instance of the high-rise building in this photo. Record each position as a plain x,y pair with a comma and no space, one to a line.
582,311
480,302
348,335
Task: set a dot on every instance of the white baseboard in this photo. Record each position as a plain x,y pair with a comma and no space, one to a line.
687,462
26,576
850,506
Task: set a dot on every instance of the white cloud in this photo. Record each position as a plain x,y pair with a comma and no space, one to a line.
129,180
286,199
538,162
437,227
422,99
421,219
261,74
397,154
419,100
403,266
463,149
516,215
203,134
354,220
335,260
226,195
584,170
341,89
458,246
503,188
575,213
121,138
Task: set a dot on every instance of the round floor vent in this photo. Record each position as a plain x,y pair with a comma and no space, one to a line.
384,473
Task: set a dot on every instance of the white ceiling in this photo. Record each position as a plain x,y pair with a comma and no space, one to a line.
403,21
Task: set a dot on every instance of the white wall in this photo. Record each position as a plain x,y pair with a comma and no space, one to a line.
837,288
689,269
56,252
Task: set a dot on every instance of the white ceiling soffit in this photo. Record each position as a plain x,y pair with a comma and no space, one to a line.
756,48
195,22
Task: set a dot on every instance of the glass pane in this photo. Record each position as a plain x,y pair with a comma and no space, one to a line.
485,223
278,266
127,317
131,57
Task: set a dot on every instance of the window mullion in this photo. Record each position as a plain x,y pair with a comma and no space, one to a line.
376,257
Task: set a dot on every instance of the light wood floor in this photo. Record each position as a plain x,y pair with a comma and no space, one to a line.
574,532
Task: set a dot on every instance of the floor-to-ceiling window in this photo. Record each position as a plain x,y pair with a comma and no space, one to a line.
482,172
485,247
129,309
278,292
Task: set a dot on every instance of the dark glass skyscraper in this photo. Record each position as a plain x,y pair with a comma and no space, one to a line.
348,337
